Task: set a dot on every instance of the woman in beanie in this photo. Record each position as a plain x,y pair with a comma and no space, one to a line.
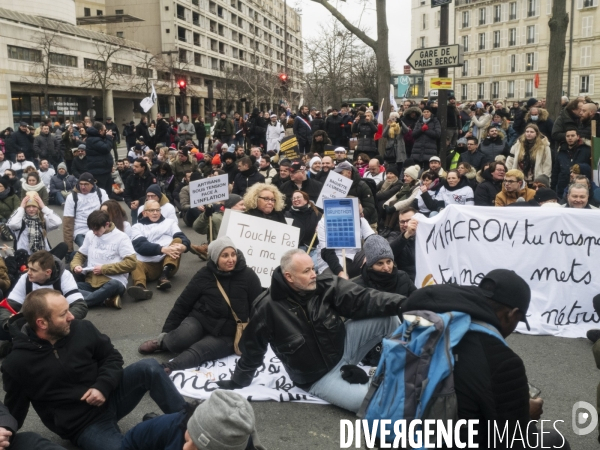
200,326
306,216
314,166
32,183
403,198
31,222
265,201
426,133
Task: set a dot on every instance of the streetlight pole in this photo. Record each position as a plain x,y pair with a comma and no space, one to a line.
285,44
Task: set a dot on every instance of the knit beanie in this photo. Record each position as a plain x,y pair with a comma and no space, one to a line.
223,422
532,101
313,160
216,160
233,200
216,247
4,181
543,179
155,189
413,171
376,248
393,169
62,165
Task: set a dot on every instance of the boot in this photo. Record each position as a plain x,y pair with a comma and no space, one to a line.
163,281
139,292
200,250
113,302
149,347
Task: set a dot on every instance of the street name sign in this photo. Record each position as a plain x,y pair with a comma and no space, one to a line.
436,57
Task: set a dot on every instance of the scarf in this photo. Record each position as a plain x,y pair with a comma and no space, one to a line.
386,185
38,187
393,130
384,282
4,193
35,231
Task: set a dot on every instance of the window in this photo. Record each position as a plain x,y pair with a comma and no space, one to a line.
480,91
465,69
87,12
511,89
512,11
196,80
181,34
584,84
586,26
531,34
479,66
463,92
589,3
196,2
183,55
530,57
24,54
165,76
531,7
119,34
122,69
197,59
196,19
512,37
496,39
529,88
180,12
93,64
586,56
438,19
144,72
481,41
482,16
465,43
118,12
465,19
513,63
197,39
495,89
497,13
422,42
99,12
59,59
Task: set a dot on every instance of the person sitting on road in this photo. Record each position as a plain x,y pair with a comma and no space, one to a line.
403,247
159,244
306,217
166,209
319,355
32,183
117,215
266,202
110,257
454,191
201,325
188,213
300,182
246,177
61,184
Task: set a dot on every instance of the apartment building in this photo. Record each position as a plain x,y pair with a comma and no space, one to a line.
505,45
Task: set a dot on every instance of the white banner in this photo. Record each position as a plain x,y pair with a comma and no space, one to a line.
262,241
556,251
148,102
336,186
209,190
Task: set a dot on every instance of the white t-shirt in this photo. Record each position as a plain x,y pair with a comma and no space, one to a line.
22,165
47,176
160,233
167,210
110,248
378,178
86,204
68,287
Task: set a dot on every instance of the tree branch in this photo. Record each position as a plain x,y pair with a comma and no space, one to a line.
353,29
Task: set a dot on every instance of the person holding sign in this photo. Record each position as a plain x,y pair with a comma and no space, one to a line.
202,324
300,182
266,202
320,354
360,190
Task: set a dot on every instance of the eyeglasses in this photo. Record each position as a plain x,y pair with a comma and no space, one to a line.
511,181
267,199
153,210
404,222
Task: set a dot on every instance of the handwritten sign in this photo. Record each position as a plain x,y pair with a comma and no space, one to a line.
289,147
209,190
262,241
335,186
555,250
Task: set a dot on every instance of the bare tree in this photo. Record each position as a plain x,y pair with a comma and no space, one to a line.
146,66
558,24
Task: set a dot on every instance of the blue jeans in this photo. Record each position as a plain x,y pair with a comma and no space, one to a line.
239,139
146,375
96,296
57,199
79,241
134,216
160,433
361,336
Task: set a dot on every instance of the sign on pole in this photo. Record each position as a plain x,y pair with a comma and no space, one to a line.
342,223
289,147
441,83
436,57
262,241
209,190
435,3
403,85
336,186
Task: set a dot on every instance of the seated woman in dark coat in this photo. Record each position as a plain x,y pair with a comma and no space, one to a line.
265,201
201,326
306,217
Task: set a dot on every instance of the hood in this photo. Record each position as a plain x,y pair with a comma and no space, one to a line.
520,193
322,134
471,174
412,109
91,131
59,268
452,297
240,265
543,115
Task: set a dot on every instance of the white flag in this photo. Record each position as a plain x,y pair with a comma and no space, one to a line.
149,102
392,98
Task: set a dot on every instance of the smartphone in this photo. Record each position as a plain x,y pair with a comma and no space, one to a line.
533,391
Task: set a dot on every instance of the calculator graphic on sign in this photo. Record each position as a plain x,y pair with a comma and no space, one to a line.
339,223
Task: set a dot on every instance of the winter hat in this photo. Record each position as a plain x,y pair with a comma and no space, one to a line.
532,101
233,200
413,171
31,202
216,247
376,248
4,181
228,156
544,195
81,147
231,148
218,147
393,170
216,160
87,177
223,422
339,150
184,151
155,189
345,165
313,160
62,165
479,105
543,179
434,158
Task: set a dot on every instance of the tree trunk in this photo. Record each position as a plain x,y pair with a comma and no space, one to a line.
384,72
558,25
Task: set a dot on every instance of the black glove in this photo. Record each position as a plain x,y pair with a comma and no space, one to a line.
208,210
389,209
354,374
229,385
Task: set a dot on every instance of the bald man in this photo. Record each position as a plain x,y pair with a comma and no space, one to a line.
586,115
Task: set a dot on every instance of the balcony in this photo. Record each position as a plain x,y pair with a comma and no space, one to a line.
528,94
480,96
512,16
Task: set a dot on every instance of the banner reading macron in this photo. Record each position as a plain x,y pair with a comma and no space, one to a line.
556,251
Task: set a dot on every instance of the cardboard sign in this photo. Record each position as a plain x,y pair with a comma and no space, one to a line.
209,190
262,241
336,186
342,226
289,148
330,151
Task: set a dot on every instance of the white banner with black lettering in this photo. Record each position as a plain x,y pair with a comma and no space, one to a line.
271,381
556,250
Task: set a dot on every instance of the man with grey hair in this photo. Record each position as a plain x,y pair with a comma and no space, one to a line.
578,196
300,315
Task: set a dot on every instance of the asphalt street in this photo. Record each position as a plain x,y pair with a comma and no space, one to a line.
562,368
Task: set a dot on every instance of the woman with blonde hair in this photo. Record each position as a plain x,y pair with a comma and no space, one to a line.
531,155
265,201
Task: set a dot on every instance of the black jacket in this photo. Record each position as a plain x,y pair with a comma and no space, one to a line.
365,133
98,151
453,117
302,129
486,191
403,286
477,159
115,129
334,126
321,176
317,125
565,159
163,132
307,220
307,333
125,174
311,186
426,142
364,194
243,180
78,166
277,216
45,146
278,181
231,170
20,142
404,254
208,306
53,378
383,196
200,131
141,130
136,186
489,378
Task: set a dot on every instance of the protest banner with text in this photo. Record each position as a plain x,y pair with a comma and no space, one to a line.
209,190
262,241
335,186
555,250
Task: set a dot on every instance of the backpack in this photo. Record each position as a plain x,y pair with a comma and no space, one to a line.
75,199
414,377
372,185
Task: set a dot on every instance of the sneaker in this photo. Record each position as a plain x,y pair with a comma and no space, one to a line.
200,250
149,416
149,347
593,335
113,302
163,283
139,292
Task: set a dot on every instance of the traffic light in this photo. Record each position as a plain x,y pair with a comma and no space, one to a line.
182,87
283,78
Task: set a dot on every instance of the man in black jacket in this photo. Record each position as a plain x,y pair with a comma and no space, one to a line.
473,155
283,176
20,141
163,131
46,147
572,151
403,246
486,191
334,127
453,124
21,441
136,186
299,182
247,176
303,130
110,125
98,147
300,315
73,376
